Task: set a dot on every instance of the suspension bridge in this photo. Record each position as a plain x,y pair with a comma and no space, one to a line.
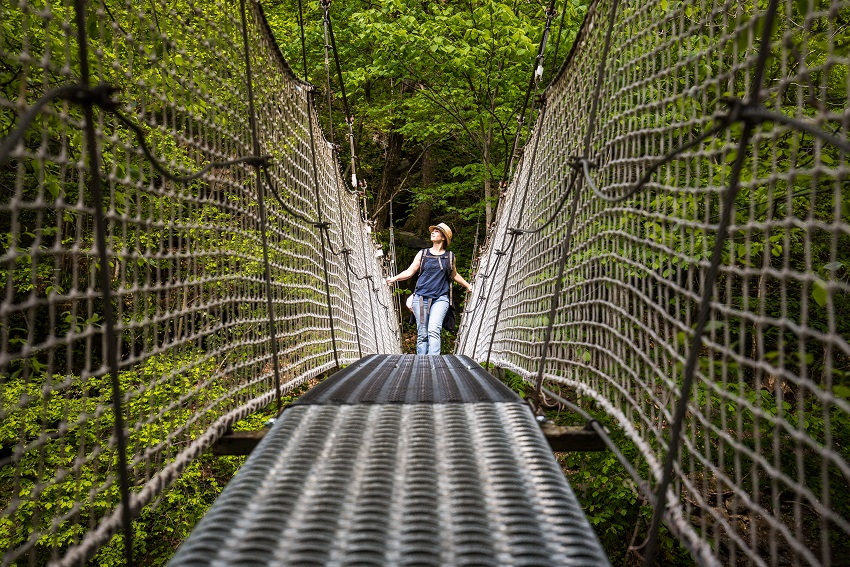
181,250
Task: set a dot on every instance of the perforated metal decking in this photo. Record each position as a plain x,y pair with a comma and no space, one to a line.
399,460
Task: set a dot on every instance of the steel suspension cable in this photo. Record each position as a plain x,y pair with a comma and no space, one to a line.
558,40
371,305
345,251
349,118
110,337
514,232
565,243
323,226
493,267
708,290
532,85
255,140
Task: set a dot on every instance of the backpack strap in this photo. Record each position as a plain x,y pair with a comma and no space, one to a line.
451,276
422,259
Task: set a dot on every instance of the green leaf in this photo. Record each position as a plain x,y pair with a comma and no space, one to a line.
819,292
841,391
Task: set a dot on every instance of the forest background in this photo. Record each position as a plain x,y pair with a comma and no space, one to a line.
436,91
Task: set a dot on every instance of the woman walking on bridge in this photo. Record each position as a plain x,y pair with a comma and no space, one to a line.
437,270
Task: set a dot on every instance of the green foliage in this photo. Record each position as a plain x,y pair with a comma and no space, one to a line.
447,78
150,391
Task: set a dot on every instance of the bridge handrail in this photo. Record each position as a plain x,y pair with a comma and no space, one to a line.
167,256
680,241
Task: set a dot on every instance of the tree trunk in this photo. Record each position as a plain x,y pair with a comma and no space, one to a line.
488,181
420,218
389,180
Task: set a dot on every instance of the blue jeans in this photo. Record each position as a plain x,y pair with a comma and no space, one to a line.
429,322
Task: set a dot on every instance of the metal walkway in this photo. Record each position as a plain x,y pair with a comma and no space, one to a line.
399,460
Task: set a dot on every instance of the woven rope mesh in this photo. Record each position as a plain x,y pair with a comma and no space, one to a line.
185,259
763,469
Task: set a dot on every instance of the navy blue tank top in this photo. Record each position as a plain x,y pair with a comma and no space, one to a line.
435,273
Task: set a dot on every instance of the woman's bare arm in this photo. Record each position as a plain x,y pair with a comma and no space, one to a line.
409,272
459,279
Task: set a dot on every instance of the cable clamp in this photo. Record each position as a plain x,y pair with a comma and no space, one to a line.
577,163
500,252
740,111
98,95
513,231
322,225
261,161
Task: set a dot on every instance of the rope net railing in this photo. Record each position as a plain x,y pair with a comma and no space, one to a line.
692,280
178,250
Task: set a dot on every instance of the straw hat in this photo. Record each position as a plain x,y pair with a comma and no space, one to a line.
444,228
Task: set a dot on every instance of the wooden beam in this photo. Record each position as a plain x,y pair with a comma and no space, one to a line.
560,438
238,442
563,439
